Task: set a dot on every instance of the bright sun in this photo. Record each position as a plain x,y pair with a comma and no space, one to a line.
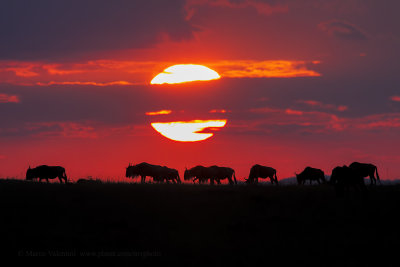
187,131
185,73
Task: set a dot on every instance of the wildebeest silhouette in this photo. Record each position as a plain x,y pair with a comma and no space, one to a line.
366,169
158,173
311,174
344,178
168,174
212,173
259,171
46,172
200,173
221,173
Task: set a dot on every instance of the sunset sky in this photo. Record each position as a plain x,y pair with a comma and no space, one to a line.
303,83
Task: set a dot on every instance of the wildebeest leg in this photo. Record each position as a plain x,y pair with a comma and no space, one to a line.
218,181
47,179
59,178
230,180
143,179
373,181
211,181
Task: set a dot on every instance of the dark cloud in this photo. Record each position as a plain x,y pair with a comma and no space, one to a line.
343,30
48,29
262,7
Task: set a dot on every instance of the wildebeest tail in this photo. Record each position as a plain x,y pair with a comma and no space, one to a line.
377,175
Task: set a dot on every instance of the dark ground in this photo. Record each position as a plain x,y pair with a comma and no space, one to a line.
202,225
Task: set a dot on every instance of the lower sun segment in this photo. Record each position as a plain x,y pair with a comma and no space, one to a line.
187,131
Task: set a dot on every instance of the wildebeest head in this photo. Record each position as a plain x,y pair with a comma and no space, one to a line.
334,175
127,172
130,171
30,174
337,174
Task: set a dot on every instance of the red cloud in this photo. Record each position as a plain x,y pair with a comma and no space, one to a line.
114,72
293,112
395,98
316,121
5,98
319,104
388,120
218,111
159,112
264,69
63,129
85,83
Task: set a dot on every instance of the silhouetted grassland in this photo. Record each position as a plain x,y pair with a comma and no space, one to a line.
198,225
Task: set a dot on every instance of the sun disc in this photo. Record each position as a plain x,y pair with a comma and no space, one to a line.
182,73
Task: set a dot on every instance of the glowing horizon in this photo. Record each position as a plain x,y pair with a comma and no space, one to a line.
182,73
187,131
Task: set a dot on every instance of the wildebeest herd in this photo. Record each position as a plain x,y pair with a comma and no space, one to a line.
342,177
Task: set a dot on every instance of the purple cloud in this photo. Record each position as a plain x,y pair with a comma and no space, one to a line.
343,30
52,29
